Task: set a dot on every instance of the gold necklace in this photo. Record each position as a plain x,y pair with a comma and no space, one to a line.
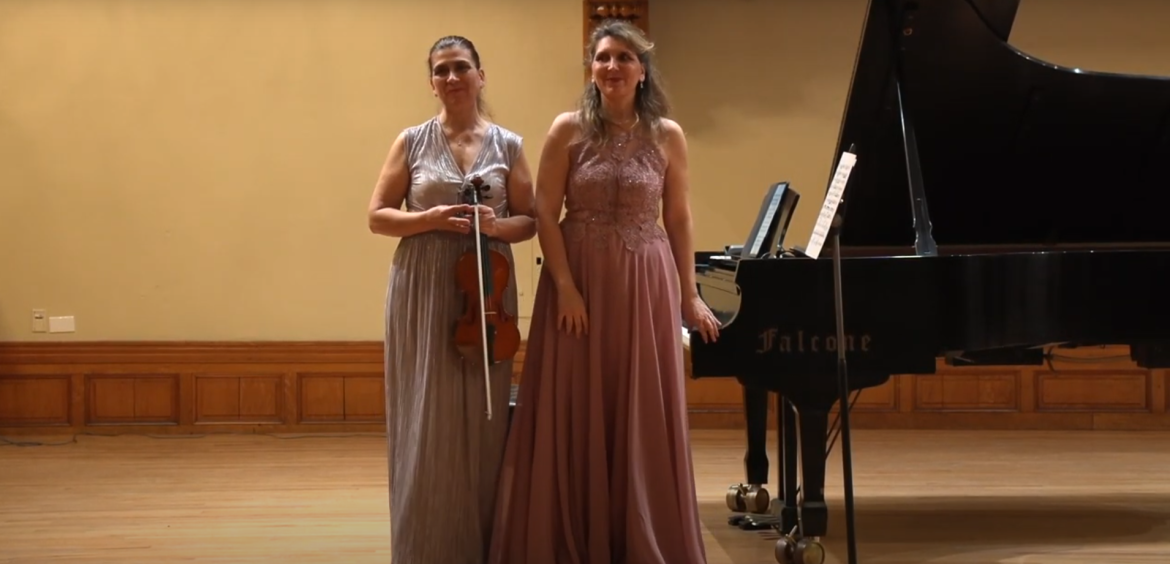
637,119
462,138
623,136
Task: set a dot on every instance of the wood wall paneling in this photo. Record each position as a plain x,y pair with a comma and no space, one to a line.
636,12
54,388
190,387
1090,388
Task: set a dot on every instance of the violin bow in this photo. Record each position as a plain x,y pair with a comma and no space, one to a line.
487,381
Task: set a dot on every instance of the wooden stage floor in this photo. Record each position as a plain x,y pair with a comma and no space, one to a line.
937,497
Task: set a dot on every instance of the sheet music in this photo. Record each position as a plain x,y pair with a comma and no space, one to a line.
758,243
832,200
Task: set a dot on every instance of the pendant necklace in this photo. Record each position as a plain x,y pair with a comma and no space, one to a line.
621,138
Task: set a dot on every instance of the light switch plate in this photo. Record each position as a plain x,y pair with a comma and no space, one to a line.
40,321
62,324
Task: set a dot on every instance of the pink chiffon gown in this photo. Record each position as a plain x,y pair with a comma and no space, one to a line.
597,468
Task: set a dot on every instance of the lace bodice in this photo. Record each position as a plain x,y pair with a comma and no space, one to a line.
614,192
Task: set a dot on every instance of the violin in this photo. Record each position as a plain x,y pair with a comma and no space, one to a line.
486,333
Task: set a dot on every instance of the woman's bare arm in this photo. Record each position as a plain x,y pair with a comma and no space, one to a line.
385,214
676,209
520,225
551,176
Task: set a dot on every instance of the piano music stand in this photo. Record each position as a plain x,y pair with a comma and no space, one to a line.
843,377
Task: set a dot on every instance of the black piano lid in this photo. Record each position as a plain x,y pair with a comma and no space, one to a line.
1013,150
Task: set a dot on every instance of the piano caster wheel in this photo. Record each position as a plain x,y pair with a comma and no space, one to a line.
803,551
748,499
808,552
785,547
735,498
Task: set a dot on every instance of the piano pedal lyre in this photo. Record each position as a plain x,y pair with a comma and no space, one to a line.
748,498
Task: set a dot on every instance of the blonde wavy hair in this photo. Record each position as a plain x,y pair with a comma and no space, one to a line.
651,103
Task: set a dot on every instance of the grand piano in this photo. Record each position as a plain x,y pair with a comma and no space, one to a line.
1000,206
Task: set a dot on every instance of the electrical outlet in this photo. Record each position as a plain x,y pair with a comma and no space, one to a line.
40,321
63,324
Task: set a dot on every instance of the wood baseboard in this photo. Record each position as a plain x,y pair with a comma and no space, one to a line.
331,387
184,388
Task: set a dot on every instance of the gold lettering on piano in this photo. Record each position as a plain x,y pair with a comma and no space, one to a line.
799,342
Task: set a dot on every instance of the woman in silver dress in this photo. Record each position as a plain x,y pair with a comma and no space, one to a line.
444,453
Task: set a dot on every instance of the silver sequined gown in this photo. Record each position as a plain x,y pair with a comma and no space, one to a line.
444,455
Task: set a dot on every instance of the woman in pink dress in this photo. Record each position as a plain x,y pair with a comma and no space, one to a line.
597,468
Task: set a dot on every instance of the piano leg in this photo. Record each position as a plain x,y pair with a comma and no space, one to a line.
799,544
787,451
807,410
814,430
751,500
755,403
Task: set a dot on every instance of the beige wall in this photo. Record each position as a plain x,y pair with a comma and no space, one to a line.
200,170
